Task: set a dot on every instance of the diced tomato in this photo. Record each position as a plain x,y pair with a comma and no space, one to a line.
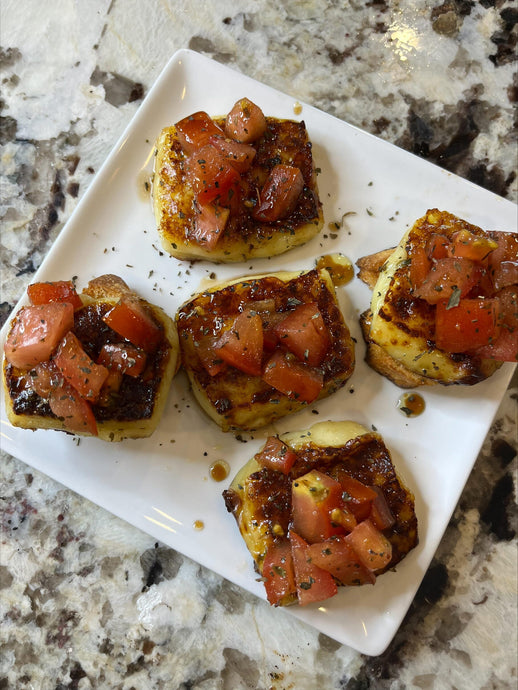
503,262
75,412
420,266
210,173
449,279
276,455
471,324
245,122
357,497
437,246
242,344
209,359
270,337
123,357
129,319
313,583
279,194
36,332
109,392
278,573
44,377
79,370
304,333
344,517
209,222
381,516
294,379
469,246
373,548
58,291
195,131
240,156
314,496
340,559
504,348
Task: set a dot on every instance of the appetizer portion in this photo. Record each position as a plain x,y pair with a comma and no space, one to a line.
231,188
444,303
95,363
322,508
259,348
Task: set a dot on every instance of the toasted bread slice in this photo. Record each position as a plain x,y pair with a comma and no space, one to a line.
138,406
399,327
331,448
236,400
286,142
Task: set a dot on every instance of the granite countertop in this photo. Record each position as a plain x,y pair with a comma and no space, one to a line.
88,601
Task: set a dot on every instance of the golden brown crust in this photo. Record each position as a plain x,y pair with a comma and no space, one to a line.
370,266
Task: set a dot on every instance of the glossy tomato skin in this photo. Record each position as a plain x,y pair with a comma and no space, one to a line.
504,348
57,291
242,344
420,266
75,412
44,377
81,372
245,122
380,515
196,130
278,573
129,319
291,377
357,497
472,323
123,357
339,558
313,498
313,583
276,455
210,174
36,332
240,156
372,547
209,223
449,277
467,245
304,333
437,246
279,194
503,262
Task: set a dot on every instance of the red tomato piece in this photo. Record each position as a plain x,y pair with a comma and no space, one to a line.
469,246
209,359
123,357
304,333
36,332
75,412
437,246
270,322
313,583
279,194
314,496
340,559
44,377
420,266
245,122
344,517
129,319
79,370
242,344
373,548
58,291
195,131
357,497
381,516
471,324
276,455
240,156
210,174
209,222
503,262
504,348
294,379
449,279
278,572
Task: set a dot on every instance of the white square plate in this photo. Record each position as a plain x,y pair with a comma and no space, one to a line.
162,484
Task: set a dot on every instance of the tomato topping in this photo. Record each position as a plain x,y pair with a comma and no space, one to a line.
503,262
449,279
373,548
240,156
420,266
276,455
209,222
278,572
195,131
36,332
504,348
340,559
58,291
123,357
210,173
304,333
294,379
381,516
314,496
313,583
437,246
343,517
79,370
469,246
44,377
471,324
242,344
129,319
279,194
110,389
357,497
73,410
245,122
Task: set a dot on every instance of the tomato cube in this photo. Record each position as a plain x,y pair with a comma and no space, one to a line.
123,357
449,279
279,194
381,516
278,573
58,291
340,559
373,548
44,377
79,370
276,455
209,222
313,583
210,174
240,156
357,497
472,323
73,410
304,333
293,378
245,122
129,319
195,131
242,344
469,246
314,496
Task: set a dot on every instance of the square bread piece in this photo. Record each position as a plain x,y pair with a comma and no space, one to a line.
236,400
284,142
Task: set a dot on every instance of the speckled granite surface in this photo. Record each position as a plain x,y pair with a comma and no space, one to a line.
87,601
